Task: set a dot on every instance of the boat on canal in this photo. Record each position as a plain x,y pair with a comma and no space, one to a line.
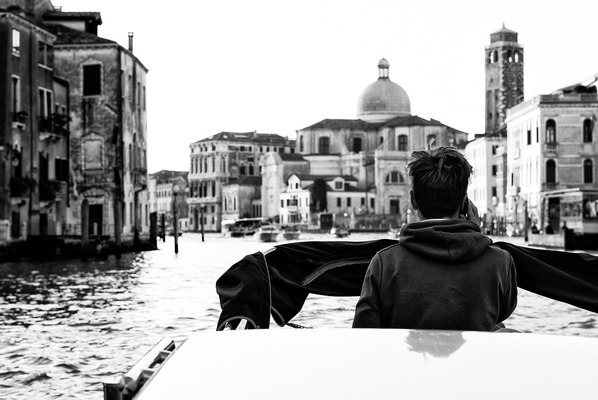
247,226
244,357
340,231
268,233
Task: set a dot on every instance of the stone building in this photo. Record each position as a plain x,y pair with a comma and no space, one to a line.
552,153
504,77
108,142
34,128
162,200
362,161
75,135
224,158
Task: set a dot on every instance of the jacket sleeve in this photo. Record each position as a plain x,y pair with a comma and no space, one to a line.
367,310
509,295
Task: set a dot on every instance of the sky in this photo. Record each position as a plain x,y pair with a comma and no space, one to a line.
276,66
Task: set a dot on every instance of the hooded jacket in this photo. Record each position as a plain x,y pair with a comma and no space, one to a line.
443,274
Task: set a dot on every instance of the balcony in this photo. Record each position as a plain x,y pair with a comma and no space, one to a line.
19,119
94,179
21,186
54,127
51,189
550,147
547,187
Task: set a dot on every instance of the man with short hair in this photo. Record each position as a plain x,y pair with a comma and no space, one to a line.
444,273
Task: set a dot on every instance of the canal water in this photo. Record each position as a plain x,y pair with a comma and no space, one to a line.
66,327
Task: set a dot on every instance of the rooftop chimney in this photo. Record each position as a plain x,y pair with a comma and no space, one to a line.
131,42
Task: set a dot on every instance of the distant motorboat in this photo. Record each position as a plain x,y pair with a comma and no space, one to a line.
340,231
291,233
267,233
394,232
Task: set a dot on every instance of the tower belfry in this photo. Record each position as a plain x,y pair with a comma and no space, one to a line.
504,77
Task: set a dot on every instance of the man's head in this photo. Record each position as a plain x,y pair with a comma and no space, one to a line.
440,177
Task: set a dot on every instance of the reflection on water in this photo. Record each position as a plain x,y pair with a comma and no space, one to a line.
65,327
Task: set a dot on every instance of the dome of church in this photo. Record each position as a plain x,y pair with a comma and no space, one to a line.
383,99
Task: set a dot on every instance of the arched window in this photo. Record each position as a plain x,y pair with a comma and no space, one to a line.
587,130
588,171
324,145
509,56
301,144
250,167
550,131
403,142
356,144
495,56
550,171
394,177
242,169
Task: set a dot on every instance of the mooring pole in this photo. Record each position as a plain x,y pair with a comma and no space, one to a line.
84,228
201,220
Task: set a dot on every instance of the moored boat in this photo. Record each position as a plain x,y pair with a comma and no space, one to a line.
268,233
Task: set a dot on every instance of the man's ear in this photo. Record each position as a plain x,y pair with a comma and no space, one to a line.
413,202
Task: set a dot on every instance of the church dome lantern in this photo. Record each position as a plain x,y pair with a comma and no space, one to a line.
383,99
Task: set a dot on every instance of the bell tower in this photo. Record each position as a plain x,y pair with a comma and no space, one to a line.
504,77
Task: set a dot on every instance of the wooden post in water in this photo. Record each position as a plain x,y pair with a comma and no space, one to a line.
84,228
201,208
154,230
175,222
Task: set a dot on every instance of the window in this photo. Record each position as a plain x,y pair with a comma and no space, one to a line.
394,177
588,171
494,191
338,185
494,170
15,95
550,171
403,142
529,136
92,80
242,169
587,131
301,144
250,169
45,102
61,169
356,145
348,202
550,131
16,42
45,55
324,145
338,202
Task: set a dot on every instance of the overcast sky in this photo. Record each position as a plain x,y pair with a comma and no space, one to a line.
277,66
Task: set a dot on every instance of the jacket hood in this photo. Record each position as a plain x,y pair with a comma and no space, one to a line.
446,240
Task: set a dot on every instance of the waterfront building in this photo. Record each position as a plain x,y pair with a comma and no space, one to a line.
73,140
219,159
240,199
108,142
162,199
552,153
34,126
504,77
358,165
486,186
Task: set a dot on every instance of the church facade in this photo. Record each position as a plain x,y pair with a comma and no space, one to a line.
355,169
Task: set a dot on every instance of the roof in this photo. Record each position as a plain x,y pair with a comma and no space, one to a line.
244,137
412,120
307,177
66,35
343,124
167,175
74,15
246,181
291,157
